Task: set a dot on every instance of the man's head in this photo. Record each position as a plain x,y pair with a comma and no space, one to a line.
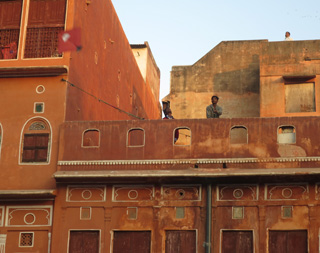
214,99
287,34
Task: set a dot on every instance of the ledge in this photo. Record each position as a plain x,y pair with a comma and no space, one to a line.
33,71
27,194
195,173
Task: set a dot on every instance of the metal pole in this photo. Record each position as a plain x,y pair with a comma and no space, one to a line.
208,219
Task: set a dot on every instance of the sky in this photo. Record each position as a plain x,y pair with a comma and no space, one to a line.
180,32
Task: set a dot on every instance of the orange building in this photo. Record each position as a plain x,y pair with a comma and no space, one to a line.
41,88
79,175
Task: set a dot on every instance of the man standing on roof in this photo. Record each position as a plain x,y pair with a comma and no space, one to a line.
287,36
213,110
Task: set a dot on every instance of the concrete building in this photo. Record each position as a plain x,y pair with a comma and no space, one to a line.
40,89
251,78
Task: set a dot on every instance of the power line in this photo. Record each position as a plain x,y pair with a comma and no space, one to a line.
100,100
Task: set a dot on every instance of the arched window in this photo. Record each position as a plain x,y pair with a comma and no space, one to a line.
35,141
182,136
238,135
286,134
91,138
135,137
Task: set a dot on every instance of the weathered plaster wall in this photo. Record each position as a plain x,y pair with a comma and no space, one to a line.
148,67
106,68
230,70
279,59
210,139
17,97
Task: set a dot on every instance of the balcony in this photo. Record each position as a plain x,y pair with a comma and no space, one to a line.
46,19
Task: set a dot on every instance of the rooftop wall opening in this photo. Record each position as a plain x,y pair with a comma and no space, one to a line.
135,137
238,135
182,136
91,138
286,135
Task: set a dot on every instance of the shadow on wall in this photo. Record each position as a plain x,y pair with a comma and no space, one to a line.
240,81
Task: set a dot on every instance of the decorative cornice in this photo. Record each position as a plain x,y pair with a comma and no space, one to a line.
188,161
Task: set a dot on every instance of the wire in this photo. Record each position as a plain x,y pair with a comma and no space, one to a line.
100,100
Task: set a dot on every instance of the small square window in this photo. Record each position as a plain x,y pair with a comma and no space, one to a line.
180,212
26,239
132,213
85,213
39,107
286,212
237,212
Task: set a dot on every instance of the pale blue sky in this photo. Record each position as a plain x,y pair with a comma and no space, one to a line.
180,32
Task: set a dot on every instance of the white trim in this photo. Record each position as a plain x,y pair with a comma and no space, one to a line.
198,186
29,214
222,186
49,242
189,161
42,86
132,187
86,187
29,208
34,107
266,193
3,239
90,212
49,144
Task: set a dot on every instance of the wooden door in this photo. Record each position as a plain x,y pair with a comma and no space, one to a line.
288,241
131,241
84,242
179,241
237,241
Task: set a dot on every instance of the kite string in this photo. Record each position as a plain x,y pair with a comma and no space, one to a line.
100,100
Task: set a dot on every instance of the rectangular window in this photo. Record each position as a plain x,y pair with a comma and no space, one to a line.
46,21
288,241
84,242
300,97
35,148
131,241
237,241
10,17
180,241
